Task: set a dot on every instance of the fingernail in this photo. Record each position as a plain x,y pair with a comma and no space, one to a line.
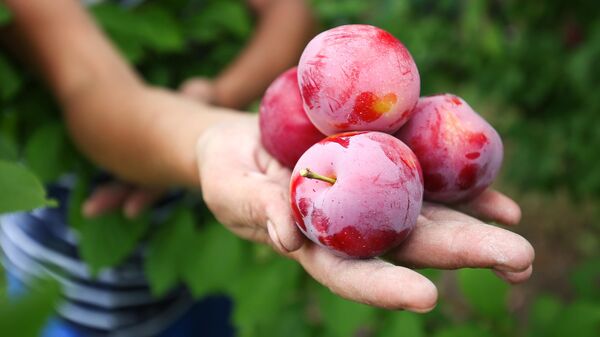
274,236
514,277
420,310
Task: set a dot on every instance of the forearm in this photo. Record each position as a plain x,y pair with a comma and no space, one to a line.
284,28
142,134
147,136
67,47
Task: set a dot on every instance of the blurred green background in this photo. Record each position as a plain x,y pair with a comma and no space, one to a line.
531,68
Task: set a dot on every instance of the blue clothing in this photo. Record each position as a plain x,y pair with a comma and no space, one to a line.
117,302
208,317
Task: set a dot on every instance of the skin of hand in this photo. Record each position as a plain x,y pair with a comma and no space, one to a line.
100,94
132,198
248,191
199,88
284,28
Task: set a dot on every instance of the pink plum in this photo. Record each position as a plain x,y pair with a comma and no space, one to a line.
358,193
460,153
285,130
358,77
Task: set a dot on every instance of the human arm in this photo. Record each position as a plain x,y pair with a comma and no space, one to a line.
283,29
113,117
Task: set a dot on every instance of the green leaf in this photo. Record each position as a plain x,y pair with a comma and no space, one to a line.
485,293
585,279
290,322
21,189
105,240
10,81
25,316
108,239
169,250
8,149
134,30
341,10
222,18
261,293
5,14
159,30
215,260
121,26
9,119
431,273
76,199
467,330
44,152
2,284
342,317
581,319
130,47
544,311
405,324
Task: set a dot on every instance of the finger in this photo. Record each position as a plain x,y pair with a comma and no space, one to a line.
256,234
372,281
138,200
494,206
251,199
199,89
514,277
280,224
457,244
284,231
105,198
272,206
271,167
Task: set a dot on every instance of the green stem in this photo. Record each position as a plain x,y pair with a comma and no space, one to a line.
307,173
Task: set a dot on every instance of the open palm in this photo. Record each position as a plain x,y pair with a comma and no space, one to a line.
247,190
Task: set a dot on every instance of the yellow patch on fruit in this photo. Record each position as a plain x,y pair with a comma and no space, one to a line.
384,104
453,128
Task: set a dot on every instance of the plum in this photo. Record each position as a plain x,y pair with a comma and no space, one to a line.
285,130
358,194
357,77
459,152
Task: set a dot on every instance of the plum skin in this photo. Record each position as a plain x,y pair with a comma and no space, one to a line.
285,130
358,77
373,204
460,153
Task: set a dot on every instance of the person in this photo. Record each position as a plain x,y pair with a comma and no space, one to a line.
155,137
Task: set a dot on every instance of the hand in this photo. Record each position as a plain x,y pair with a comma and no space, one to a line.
247,190
443,238
200,89
244,187
114,195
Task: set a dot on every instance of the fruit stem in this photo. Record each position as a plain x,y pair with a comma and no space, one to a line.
307,173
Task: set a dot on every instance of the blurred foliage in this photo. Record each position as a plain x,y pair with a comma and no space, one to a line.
25,316
21,189
530,68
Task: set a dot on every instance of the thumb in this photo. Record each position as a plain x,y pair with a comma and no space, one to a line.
281,226
274,206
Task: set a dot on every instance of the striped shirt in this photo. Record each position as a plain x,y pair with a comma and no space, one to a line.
117,302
